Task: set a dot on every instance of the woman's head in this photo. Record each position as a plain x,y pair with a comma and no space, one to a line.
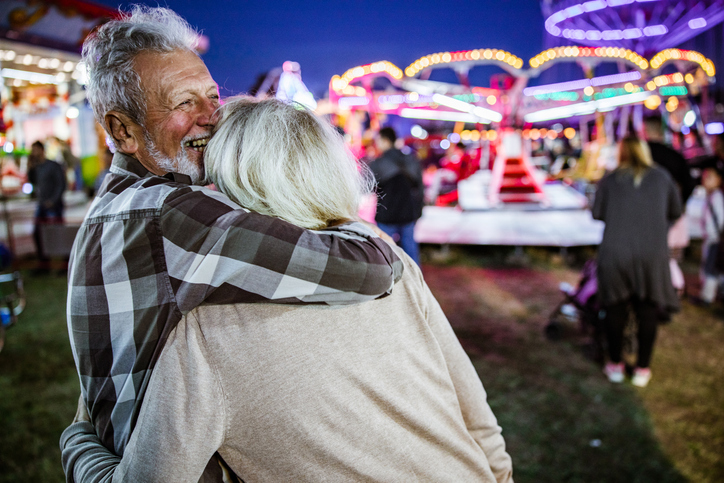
281,160
634,155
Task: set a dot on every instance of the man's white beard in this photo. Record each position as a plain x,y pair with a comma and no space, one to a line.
179,164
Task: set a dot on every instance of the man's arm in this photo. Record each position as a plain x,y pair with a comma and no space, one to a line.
479,418
180,427
218,253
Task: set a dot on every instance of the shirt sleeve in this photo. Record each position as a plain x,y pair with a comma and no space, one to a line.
181,424
479,418
216,252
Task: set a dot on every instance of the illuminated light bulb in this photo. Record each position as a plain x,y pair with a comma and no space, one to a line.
534,63
360,91
659,81
43,63
491,99
68,66
465,135
543,132
435,58
689,78
475,55
569,133
652,102
72,112
672,104
550,54
27,59
526,133
358,72
689,118
534,134
409,72
488,54
628,87
651,85
446,57
500,55
492,135
475,135
10,55
588,90
552,134
567,51
413,96
678,78
349,90
468,55
574,51
518,64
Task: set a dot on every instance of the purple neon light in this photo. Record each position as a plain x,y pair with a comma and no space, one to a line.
697,23
593,34
581,83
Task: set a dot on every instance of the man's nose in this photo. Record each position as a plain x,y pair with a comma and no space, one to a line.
208,115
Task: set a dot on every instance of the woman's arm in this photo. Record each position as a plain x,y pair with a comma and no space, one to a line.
599,202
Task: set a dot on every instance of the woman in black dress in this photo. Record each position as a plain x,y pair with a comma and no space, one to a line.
638,201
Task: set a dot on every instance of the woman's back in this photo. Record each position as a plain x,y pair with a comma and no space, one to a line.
633,257
380,391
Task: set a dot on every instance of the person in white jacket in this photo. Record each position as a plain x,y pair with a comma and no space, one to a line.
713,222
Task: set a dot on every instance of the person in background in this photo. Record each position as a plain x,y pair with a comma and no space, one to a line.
637,202
400,192
712,225
380,391
678,168
48,180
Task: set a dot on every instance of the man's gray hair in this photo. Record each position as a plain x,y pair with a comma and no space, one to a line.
281,160
109,54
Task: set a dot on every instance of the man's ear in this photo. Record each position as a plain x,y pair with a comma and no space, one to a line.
124,132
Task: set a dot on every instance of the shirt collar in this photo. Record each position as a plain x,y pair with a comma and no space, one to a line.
125,165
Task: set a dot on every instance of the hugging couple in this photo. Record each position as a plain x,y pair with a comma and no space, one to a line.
258,332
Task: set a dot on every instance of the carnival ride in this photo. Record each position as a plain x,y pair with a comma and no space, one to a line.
511,106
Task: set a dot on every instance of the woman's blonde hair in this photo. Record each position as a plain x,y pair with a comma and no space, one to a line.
281,160
634,156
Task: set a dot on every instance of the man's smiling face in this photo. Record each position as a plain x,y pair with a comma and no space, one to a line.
181,99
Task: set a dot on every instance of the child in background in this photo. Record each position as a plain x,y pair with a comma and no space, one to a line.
712,221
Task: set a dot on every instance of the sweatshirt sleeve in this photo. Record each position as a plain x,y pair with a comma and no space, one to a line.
478,416
181,424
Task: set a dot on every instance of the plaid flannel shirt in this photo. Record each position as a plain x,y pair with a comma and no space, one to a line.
153,248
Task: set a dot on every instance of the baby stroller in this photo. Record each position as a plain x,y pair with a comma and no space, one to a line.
580,307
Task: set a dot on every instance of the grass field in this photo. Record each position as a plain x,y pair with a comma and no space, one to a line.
561,419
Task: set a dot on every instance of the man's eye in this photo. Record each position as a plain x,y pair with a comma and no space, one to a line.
184,103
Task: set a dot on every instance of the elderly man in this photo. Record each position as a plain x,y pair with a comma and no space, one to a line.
154,244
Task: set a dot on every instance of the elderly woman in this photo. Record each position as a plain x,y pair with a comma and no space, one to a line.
380,391
638,202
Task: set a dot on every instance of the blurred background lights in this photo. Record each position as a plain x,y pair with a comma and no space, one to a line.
569,133
418,132
27,188
72,112
444,144
454,137
714,128
689,118
8,147
652,102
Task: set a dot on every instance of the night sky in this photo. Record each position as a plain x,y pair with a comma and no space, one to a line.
327,37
